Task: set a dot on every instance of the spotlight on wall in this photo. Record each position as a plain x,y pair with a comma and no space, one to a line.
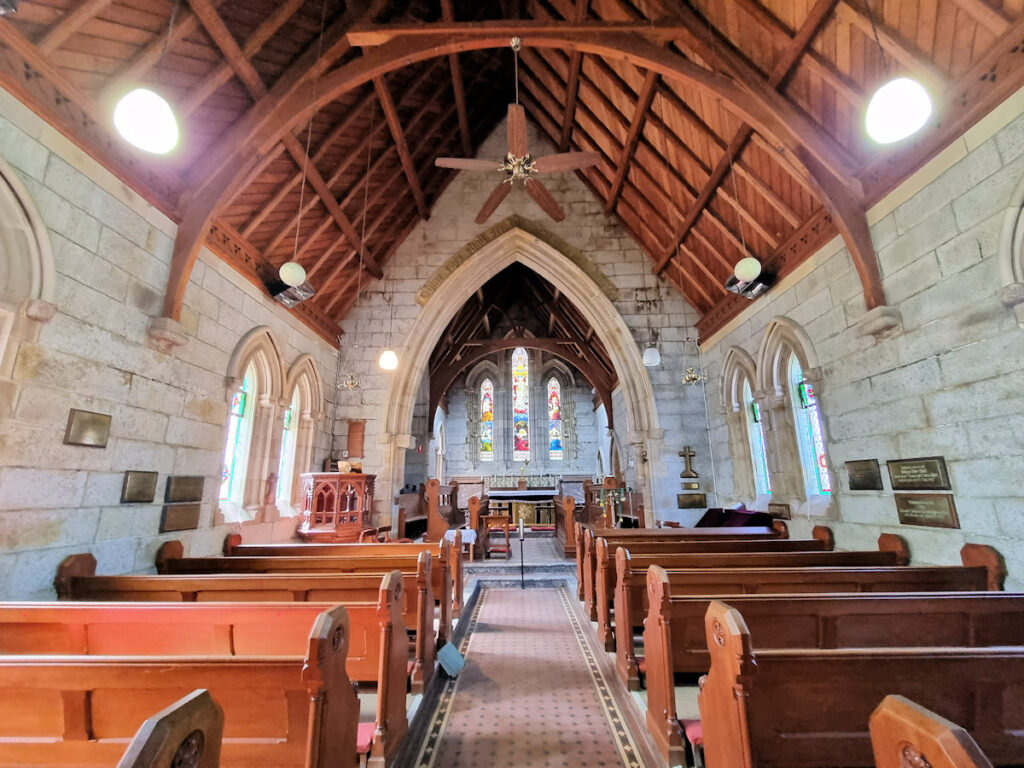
8,7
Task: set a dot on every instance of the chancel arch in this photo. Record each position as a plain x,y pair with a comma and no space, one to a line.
499,251
789,381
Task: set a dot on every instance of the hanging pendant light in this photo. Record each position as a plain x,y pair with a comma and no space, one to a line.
899,109
292,273
145,120
652,357
388,360
747,269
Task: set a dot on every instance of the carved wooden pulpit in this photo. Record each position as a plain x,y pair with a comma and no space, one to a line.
336,506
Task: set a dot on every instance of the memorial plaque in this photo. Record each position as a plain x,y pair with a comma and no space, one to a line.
179,517
935,510
138,487
927,474
865,475
780,511
184,488
87,428
691,500
691,486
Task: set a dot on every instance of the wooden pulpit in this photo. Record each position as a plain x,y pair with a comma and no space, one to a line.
336,506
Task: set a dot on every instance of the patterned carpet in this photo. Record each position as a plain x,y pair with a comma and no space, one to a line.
531,693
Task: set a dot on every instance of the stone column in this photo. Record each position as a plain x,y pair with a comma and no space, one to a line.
744,486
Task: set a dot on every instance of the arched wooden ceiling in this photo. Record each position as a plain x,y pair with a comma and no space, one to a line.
696,186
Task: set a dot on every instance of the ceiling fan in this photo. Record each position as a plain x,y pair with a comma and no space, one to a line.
519,165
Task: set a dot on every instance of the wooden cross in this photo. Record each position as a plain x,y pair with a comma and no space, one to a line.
688,454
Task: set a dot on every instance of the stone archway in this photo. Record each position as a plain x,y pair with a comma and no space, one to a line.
458,284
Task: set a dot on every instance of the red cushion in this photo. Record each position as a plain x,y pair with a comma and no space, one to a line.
542,527
410,667
641,664
694,731
364,737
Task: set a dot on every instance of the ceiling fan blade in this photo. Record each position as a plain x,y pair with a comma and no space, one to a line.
490,206
566,161
545,199
516,129
467,164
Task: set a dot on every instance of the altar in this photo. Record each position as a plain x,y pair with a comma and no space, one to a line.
535,506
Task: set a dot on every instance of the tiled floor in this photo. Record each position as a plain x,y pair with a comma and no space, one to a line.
531,693
536,549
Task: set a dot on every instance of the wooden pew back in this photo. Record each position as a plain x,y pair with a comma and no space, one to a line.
811,708
906,734
284,711
442,509
186,733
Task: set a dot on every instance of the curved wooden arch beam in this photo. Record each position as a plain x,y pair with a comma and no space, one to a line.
442,381
284,108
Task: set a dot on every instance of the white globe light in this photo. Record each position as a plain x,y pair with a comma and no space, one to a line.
898,109
652,357
388,360
747,269
292,273
146,121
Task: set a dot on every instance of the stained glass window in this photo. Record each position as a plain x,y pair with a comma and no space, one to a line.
554,419
289,441
758,452
236,452
487,421
520,405
808,431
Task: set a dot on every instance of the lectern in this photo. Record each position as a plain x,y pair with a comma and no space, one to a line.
336,506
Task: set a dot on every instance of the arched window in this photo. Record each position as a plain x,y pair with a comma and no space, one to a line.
755,433
554,419
487,420
289,442
520,405
236,452
808,431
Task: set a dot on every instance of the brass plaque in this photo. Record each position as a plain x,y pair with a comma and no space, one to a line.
691,486
138,487
179,517
780,511
927,474
935,510
87,428
691,500
184,488
865,475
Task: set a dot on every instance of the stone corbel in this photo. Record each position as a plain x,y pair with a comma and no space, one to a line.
165,334
39,310
881,322
1012,296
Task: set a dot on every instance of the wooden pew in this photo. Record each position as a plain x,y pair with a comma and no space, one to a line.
586,563
806,708
442,509
747,557
906,734
76,580
631,590
186,733
568,515
446,555
479,508
297,711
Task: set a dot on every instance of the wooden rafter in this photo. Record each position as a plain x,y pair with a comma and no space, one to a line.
643,105
985,15
572,89
448,14
391,114
56,35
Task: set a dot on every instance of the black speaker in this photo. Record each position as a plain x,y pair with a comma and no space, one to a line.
750,289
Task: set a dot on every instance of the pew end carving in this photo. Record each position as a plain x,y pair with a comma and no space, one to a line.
825,535
906,734
392,721
83,564
187,733
890,542
169,550
662,719
988,558
231,542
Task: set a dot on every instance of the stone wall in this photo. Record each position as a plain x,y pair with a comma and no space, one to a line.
169,412
600,239
950,384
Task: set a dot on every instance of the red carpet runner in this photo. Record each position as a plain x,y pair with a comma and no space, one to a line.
531,693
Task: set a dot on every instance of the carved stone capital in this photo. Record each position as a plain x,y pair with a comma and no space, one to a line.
880,322
39,310
165,334
1011,295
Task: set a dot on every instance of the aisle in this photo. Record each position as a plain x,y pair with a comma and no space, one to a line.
531,693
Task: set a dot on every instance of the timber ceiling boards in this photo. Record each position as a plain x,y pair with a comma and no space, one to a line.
693,183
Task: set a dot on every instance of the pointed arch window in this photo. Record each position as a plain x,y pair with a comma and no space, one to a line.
236,452
487,420
554,419
755,433
289,443
520,405
808,431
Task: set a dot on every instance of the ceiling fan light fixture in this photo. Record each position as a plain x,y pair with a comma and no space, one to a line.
900,108
388,360
145,120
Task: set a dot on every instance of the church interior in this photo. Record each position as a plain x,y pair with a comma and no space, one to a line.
512,383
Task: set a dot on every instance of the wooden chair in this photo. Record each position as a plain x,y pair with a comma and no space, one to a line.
497,524
186,733
906,735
